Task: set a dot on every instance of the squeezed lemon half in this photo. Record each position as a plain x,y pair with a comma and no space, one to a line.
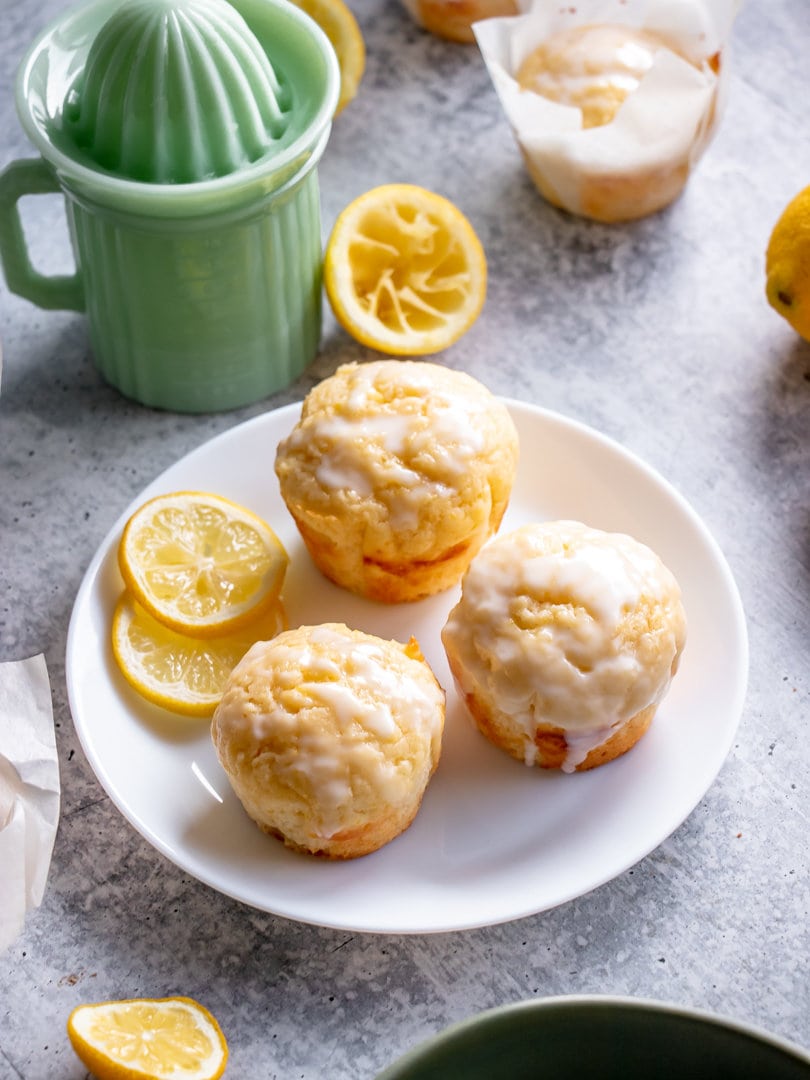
404,271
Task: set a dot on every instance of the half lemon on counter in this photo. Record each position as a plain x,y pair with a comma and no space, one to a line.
148,1039
404,271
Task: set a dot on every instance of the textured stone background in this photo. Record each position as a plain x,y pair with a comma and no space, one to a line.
656,333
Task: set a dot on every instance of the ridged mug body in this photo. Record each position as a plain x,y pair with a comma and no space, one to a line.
204,314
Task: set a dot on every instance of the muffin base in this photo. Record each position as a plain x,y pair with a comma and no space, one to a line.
551,746
616,197
349,843
613,199
390,582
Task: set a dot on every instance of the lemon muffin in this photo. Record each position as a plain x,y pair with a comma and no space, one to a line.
453,19
396,474
564,642
329,737
610,117
595,68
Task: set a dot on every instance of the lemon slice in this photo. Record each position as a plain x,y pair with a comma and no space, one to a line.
184,674
340,26
404,271
199,563
148,1039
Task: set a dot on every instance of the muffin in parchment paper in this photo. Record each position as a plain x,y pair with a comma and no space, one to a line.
612,102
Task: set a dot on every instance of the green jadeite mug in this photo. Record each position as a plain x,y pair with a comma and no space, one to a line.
184,136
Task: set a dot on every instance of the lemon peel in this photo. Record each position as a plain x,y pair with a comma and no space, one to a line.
787,264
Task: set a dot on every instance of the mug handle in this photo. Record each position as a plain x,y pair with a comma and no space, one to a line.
31,176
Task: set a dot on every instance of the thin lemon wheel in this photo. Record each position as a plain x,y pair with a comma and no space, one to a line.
404,271
201,564
340,26
180,673
148,1039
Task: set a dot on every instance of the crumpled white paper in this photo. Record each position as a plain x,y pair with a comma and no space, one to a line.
29,790
639,162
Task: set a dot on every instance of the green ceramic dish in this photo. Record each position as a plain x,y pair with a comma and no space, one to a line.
600,1038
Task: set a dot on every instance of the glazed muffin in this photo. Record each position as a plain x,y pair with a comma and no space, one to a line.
564,642
329,737
453,19
396,474
610,117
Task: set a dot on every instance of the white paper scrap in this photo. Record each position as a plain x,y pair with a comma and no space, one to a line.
29,790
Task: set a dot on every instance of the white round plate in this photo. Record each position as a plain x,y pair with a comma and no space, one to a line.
494,840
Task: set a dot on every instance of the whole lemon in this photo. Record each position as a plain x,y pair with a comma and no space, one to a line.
787,264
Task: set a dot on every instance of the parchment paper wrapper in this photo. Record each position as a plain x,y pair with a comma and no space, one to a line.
641,160
29,791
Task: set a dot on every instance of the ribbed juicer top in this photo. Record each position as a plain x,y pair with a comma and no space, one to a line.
176,91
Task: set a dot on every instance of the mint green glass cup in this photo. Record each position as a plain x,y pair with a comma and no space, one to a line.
201,294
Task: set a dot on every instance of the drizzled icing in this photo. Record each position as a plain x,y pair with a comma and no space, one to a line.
345,462
591,67
419,440
545,632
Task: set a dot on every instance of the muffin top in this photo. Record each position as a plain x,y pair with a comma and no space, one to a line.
568,626
326,725
592,67
416,454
